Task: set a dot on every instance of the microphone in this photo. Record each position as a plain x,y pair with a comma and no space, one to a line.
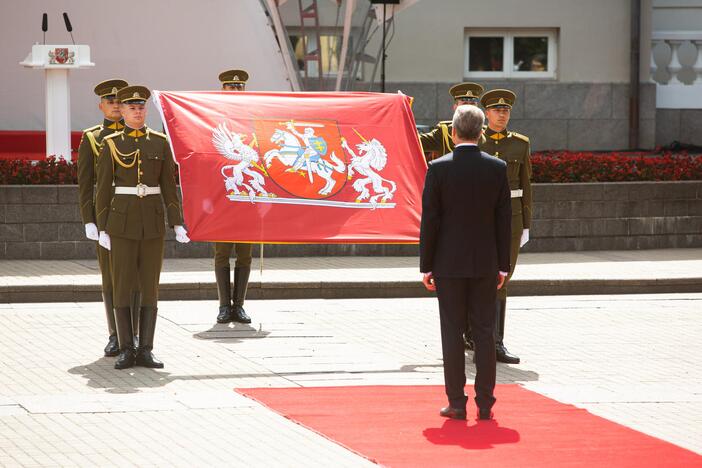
44,25
69,28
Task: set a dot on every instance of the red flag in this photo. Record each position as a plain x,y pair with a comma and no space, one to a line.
296,167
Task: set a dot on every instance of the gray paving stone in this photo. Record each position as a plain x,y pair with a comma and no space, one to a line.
23,250
57,250
10,194
68,194
11,233
42,195
544,134
668,126
691,126
556,95
598,135
41,232
70,231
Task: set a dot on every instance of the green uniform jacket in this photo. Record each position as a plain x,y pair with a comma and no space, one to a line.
88,151
438,141
130,216
513,148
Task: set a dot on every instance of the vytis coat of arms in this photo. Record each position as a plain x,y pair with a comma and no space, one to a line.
309,163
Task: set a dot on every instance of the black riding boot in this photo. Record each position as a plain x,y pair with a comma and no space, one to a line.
241,282
502,354
126,338
224,292
136,307
112,348
147,328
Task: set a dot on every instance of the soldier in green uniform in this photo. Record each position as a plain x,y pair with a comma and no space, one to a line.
134,167
88,151
231,299
513,148
439,141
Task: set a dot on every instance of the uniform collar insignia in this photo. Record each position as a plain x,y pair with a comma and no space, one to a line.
496,135
135,133
113,125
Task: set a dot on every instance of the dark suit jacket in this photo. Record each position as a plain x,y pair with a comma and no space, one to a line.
466,216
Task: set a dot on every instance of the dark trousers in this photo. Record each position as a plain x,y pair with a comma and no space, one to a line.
223,251
464,301
136,266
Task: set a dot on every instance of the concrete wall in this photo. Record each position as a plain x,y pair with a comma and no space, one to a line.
677,15
43,222
164,44
574,116
616,216
681,125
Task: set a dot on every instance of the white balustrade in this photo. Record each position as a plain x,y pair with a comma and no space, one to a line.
674,93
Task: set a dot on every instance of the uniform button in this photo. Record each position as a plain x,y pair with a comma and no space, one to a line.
141,172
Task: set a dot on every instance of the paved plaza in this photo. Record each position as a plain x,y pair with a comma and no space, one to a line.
553,273
628,358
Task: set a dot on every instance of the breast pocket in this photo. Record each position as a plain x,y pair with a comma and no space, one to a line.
152,168
514,164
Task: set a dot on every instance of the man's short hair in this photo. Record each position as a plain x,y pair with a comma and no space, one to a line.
468,122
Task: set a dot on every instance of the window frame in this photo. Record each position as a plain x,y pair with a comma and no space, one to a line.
508,36
330,32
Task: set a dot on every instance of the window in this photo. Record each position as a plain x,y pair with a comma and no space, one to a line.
330,51
510,53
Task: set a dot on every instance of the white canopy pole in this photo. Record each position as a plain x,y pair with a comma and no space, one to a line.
350,6
282,42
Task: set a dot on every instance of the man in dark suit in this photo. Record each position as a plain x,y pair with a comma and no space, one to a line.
464,255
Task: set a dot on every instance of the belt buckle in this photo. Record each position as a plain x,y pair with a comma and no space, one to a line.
141,190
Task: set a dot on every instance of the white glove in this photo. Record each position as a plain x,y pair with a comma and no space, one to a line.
104,240
91,231
525,238
181,234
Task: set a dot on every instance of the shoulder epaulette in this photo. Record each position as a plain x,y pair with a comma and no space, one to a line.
93,128
112,135
446,122
154,132
520,136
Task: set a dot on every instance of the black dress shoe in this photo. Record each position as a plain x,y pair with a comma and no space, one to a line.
505,356
240,315
125,360
225,314
453,413
145,358
484,414
112,348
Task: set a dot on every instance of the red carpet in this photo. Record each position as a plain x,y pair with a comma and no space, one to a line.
400,426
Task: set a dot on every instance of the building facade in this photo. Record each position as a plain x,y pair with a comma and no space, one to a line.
569,61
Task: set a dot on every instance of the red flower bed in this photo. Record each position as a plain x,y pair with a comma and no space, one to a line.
566,166
46,171
548,166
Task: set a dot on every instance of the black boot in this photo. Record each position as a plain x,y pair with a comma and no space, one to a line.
123,318
112,348
224,292
502,354
147,327
136,308
241,282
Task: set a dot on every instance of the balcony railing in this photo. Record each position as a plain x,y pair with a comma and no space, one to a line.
676,68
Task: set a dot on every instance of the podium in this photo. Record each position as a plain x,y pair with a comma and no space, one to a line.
57,61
